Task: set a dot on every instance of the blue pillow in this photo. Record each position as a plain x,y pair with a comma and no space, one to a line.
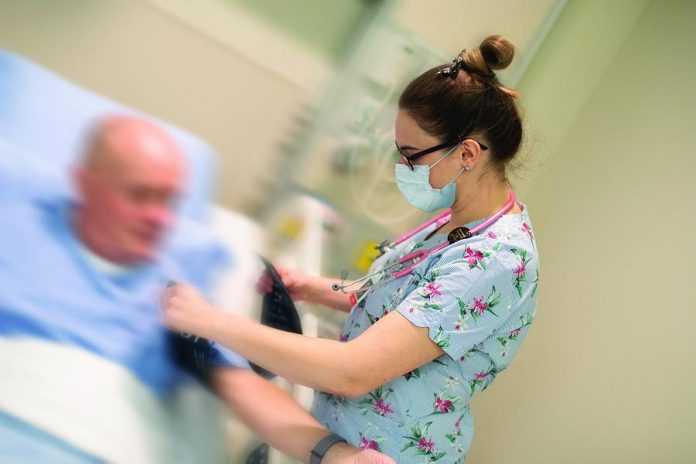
47,115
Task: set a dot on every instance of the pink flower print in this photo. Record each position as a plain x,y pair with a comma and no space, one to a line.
490,234
432,289
473,257
525,228
521,270
426,445
366,443
481,376
514,333
343,338
505,350
479,306
443,406
382,408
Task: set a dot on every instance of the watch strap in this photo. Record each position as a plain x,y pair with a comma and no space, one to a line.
323,446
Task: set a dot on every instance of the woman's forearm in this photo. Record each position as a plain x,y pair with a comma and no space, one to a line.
320,292
318,363
269,411
277,419
391,347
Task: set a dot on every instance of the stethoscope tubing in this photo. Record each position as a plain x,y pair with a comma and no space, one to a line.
418,256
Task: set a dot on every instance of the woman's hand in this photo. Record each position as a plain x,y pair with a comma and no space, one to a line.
304,287
297,282
185,310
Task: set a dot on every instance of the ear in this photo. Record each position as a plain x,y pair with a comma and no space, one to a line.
80,178
471,153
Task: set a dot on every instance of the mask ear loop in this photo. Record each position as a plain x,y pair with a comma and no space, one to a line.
444,156
461,171
465,168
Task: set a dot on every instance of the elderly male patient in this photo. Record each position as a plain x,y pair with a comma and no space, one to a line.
86,367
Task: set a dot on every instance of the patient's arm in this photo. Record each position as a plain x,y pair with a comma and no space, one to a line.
277,419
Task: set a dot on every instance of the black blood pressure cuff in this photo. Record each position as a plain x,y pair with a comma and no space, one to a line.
198,356
193,354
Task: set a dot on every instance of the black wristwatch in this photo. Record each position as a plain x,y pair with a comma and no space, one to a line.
323,446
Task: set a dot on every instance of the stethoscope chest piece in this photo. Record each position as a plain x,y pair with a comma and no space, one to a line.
457,234
384,246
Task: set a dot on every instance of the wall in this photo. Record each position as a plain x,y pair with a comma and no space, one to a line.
130,51
607,374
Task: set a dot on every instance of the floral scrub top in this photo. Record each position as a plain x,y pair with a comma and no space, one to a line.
477,298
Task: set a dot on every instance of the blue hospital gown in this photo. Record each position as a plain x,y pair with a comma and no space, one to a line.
477,298
50,290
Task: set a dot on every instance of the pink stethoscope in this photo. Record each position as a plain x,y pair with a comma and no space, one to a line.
418,256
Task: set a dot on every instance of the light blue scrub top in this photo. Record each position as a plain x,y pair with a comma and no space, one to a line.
477,298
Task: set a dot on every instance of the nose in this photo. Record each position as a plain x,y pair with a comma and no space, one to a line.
159,216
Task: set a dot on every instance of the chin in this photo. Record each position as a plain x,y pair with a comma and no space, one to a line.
143,254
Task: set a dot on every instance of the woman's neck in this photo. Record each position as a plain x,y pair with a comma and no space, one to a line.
480,201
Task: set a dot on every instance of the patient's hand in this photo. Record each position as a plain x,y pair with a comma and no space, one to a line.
185,310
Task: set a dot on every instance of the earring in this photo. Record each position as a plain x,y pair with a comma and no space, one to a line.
466,168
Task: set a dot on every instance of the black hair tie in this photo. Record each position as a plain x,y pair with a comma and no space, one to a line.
452,71
458,64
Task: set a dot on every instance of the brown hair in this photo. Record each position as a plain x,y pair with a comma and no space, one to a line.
466,98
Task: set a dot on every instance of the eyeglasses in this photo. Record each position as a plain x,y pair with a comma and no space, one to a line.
410,159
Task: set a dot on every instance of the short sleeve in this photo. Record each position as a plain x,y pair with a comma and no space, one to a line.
222,357
463,298
199,256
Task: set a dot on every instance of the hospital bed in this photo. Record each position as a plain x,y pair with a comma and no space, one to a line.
45,115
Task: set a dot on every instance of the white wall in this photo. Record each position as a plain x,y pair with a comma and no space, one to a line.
133,52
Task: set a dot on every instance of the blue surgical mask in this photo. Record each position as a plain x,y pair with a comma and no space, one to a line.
416,189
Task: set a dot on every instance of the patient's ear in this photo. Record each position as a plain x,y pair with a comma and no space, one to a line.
77,176
80,177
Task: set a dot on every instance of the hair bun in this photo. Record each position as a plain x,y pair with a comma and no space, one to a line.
497,51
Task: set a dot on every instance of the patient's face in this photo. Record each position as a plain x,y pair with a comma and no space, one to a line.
138,206
129,200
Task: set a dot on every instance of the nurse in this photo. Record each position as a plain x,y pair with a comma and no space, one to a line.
417,345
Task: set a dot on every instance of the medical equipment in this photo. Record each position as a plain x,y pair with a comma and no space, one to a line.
191,352
401,267
278,311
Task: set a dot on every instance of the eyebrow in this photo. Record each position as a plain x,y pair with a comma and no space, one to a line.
404,147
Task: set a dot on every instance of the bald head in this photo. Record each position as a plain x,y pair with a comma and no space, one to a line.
131,175
124,142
